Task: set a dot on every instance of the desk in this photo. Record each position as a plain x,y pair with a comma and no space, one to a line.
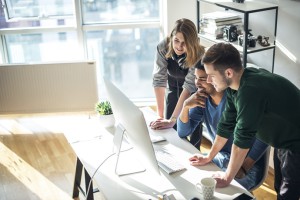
92,152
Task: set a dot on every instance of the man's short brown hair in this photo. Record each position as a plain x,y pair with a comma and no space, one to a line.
223,56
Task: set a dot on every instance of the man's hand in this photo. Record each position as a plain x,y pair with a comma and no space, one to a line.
199,159
161,123
196,99
221,179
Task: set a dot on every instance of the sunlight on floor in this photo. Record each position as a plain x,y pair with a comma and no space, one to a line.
12,126
266,187
28,176
284,50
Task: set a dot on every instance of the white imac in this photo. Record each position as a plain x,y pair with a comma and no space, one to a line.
133,124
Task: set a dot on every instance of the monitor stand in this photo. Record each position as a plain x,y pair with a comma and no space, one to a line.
127,162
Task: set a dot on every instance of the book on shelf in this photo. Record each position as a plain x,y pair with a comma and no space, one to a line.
217,30
212,36
216,33
221,23
214,26
219,16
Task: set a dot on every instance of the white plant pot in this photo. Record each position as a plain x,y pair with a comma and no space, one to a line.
107,120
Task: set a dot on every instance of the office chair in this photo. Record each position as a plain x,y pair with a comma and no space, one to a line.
195,137
266,169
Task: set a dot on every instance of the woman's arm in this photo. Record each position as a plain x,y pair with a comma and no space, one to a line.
160,100
169,123
160,76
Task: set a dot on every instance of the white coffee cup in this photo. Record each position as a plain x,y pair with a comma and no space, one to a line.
207,187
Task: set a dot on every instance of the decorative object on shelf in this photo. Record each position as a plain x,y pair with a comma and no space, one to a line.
230,33
105,112
263,41
251,40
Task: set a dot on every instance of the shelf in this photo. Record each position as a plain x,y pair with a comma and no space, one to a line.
247,7
257,48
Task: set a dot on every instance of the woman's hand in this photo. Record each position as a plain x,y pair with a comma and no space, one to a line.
162,123
199,159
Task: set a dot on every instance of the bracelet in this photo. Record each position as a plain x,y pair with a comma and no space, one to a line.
173,119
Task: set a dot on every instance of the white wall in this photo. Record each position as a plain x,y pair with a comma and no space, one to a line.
176,9
287,60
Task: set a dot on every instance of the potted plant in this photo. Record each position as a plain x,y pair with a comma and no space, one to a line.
103,108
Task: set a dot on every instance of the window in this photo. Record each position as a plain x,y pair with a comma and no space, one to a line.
42,47
27,9
96,11
126,57
120,35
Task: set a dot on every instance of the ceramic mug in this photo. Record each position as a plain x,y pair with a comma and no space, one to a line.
207,187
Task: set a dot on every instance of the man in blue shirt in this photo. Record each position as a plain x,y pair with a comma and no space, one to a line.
207,105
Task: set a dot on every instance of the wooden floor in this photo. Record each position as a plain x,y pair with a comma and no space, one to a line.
37,163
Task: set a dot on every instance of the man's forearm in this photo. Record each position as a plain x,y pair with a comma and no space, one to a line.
236,160
218,144
184,115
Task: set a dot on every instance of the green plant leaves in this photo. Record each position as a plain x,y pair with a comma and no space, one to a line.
103,108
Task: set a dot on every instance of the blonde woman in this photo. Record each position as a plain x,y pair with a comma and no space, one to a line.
173,74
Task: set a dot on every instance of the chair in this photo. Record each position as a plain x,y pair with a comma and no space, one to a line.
205,133
266,169
195,137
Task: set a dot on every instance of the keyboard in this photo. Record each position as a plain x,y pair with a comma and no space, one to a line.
167,162
157,138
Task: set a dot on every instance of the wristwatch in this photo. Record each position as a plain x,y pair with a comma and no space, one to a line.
173,119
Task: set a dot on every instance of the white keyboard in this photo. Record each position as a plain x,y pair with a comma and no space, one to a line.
157,138
167,162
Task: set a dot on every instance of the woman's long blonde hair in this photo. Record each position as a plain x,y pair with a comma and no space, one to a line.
194,49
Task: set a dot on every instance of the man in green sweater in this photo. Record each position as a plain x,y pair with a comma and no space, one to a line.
259,104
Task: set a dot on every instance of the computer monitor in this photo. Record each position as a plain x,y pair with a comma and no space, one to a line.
132,120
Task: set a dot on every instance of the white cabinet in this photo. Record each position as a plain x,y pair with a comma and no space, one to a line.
246,8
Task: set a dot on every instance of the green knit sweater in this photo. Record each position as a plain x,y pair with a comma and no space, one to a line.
267,106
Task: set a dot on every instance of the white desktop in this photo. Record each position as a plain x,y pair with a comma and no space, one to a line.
148,184
132,123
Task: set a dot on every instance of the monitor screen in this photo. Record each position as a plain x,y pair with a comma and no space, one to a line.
132,120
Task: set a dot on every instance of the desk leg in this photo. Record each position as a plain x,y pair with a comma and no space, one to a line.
77,182
89,195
